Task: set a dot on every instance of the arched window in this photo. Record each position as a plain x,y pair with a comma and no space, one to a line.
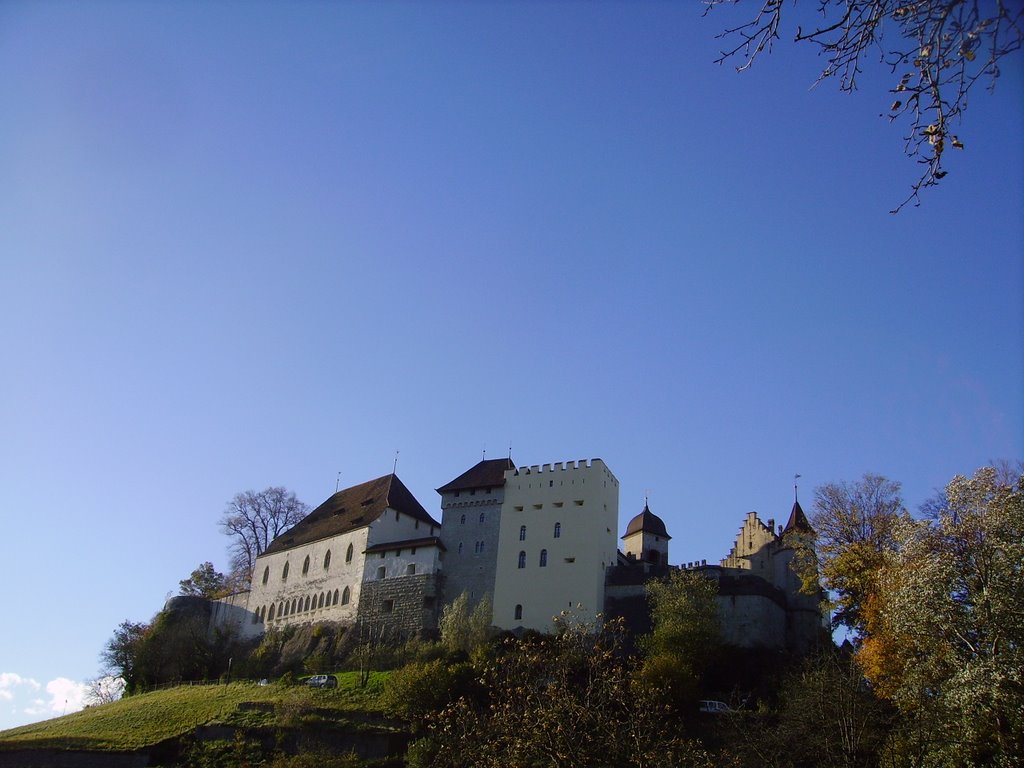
346,596
558,530
256,617
522,533
481,517
284,611
522,559
348,554
284,572
519,613
307,603
320,604
460,547
266,574
327,560
280,610
335,597
295,605
462,520
305,566
270,616
543,558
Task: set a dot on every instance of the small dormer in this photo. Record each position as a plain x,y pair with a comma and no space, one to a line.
646,538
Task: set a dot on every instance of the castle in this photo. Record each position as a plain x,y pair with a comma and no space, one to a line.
537,540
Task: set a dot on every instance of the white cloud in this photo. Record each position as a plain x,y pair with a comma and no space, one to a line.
65,695
10,681
30,697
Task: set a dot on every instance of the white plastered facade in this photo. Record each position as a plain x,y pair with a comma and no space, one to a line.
582,500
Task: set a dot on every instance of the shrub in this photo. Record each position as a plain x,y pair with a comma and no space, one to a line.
419,690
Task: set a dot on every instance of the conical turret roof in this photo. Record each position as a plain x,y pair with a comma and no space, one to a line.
798,520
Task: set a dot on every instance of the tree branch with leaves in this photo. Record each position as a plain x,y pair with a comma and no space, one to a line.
936,50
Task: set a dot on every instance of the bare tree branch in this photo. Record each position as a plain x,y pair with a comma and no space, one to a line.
937,50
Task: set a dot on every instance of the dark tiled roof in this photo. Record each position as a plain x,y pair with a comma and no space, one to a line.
427,541
489,473
798,520
350,509
648,522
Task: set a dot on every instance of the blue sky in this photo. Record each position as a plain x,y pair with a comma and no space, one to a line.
245,245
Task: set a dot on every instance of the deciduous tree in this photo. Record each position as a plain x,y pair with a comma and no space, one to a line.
936,50
254,519
122,656
953,591
685,636
205,581
856,526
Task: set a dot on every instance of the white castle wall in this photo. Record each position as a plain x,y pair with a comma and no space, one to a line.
583,499
282,592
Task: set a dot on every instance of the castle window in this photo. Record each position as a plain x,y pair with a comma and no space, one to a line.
270,615
382,554
320,602
416,525
380,572
281,610
335,597
346,596
481,517
327,560
256,617
387,606
295,605
522,533
266,574
558,530
543,558
284,572
462,520
348,554
460,547
284,611
519,613
305,566
413,551
410,569
522,560
306,608
397,513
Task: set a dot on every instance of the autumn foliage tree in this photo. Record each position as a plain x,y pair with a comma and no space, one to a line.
952,622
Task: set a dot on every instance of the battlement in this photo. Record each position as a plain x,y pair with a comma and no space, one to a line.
560,466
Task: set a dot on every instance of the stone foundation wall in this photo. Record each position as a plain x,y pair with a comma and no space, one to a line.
400,607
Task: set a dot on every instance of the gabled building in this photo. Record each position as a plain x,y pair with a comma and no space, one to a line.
369,553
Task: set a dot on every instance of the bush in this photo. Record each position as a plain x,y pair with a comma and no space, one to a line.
419,690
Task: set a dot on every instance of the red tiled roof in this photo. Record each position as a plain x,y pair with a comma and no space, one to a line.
489,473
350,509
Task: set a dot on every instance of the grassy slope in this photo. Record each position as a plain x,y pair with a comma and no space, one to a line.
149,718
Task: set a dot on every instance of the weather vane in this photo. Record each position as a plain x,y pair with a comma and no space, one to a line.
796,496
